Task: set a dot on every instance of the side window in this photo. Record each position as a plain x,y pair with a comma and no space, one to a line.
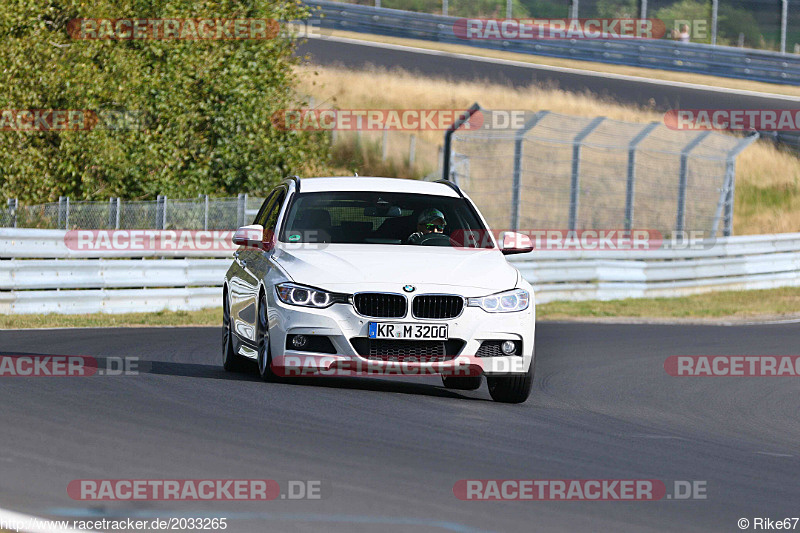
261,217
274,210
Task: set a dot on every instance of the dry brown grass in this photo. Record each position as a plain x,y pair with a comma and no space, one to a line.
768,179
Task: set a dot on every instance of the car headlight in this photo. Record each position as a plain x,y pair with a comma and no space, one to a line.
502,302
293,294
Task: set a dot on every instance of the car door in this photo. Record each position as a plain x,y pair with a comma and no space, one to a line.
255,263
243,282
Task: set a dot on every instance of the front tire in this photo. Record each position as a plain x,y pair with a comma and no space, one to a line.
231,360
512,389
262,335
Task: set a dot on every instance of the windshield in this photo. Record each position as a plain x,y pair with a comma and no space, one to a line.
365,217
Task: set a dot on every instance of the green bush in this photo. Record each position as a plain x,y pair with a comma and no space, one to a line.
207,103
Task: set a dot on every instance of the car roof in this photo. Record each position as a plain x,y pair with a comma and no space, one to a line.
377,185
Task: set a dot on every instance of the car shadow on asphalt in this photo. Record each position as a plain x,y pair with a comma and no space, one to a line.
377,384
118,366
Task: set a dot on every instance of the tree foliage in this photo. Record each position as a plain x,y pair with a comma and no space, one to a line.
206,103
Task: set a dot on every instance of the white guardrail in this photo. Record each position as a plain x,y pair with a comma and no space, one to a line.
40,274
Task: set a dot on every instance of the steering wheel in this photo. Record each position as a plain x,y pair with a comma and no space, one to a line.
435,239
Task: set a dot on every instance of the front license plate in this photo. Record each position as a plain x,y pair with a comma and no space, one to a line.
398,330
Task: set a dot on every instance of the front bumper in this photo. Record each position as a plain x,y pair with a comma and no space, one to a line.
340,323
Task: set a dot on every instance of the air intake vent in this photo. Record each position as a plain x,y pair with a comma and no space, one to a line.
380,304
407,350
437,306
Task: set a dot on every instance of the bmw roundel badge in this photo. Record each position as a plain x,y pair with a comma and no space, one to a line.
409,288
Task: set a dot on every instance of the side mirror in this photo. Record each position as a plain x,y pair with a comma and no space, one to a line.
253,237
514,243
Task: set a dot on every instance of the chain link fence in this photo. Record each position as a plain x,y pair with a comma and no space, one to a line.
202,213
566,172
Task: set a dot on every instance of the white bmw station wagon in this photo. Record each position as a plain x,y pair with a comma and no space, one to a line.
362,273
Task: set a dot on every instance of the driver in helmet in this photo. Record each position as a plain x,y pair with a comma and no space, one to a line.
429,221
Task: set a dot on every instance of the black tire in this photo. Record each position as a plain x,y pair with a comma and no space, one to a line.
461,382
512,389
231,360
262,338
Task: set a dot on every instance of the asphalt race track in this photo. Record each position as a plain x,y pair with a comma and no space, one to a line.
388,452
662,96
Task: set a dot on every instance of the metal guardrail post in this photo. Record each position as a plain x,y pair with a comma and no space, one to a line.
448,139
729,189
683,179
241,205
519,138
630,187
574,193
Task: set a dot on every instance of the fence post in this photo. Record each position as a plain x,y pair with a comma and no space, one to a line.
205,212
385,144
509,8
519,138
643,13
684,176
784,17
111,215
574,194
240,208
160,212
412,150
729,187
714,11
630,187
119,209
62,212
574,9
13,205
444,7
448,138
